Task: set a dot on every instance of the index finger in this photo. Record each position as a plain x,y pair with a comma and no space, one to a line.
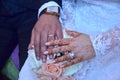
59,42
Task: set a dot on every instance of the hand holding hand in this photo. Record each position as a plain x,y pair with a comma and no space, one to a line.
77,49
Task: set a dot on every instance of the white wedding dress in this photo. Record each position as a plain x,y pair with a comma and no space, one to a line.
101,20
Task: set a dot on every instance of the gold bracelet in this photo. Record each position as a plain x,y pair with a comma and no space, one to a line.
52,13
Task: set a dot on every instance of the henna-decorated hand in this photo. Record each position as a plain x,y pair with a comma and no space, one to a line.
80,45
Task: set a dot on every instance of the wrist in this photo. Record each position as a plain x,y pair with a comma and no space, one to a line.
52,10
45,5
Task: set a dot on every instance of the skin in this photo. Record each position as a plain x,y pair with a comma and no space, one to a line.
80,45
45,26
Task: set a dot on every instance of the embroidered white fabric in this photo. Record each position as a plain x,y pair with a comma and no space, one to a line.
100,19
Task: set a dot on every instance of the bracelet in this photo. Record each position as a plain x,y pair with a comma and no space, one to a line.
52,13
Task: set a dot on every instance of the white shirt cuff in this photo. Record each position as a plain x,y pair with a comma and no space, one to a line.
45,5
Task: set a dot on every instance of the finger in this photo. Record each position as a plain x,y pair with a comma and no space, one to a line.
62,58
44,36
73,33
73,61
61,49
51,55
37,45
59,42
51,36
31,44
44,58
59,33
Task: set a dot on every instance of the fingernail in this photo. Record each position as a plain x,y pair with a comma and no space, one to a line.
46,52
32,46
47,43
38,58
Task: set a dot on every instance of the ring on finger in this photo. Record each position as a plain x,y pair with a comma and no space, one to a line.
51,35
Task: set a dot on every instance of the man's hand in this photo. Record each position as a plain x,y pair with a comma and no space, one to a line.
47,28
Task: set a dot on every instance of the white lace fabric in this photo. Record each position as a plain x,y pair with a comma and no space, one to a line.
99,19
105,66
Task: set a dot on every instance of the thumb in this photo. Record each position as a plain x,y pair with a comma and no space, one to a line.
73,33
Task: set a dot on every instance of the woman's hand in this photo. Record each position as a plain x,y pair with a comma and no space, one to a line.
75,49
